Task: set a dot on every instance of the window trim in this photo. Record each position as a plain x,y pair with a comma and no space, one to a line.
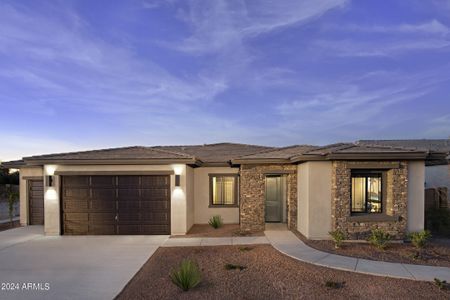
235,190
365,174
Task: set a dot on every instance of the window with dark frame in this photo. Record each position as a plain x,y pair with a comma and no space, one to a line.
366,192
223,190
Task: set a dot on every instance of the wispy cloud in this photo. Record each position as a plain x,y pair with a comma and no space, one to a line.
218,25
431,27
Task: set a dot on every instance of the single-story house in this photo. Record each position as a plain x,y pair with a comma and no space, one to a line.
168,189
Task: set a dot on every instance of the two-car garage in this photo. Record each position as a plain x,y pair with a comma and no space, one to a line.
115,204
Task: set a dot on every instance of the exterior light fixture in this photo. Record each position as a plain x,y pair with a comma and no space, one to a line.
177,180
49,181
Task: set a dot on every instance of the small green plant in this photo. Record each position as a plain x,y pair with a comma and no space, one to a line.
215,221
246,248
234,267
187,276
419,239
441,284
334,284
379,238
338,237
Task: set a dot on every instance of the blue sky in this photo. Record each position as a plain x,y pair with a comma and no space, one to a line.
92,74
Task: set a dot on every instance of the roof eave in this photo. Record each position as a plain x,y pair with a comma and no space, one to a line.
13,164
256,161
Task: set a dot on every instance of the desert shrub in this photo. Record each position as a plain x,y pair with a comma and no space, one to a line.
420,238
234,267
441,284
215,221
338,237
379,238
438,221
187,276
245,248
334,284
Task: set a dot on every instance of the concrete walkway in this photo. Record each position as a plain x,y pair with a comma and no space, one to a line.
288,243
219,241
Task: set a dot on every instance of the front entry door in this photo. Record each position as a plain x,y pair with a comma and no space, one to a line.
274,207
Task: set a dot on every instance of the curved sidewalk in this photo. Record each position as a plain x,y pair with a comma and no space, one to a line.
287,242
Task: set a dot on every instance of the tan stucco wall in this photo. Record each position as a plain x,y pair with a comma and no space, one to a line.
314,204
190,198
416,196
179,206
201,195
23,191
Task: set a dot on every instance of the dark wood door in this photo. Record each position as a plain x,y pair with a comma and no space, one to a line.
36,202
116,204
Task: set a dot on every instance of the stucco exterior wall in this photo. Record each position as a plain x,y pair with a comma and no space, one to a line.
179,199
203,212
314,199
416,196
190,197
23,190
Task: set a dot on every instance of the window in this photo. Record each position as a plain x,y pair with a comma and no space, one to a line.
366,192
223,189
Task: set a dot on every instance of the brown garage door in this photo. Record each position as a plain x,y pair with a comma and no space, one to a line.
116,204
36,202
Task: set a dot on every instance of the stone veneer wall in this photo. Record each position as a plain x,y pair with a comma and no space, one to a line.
252,195
395,204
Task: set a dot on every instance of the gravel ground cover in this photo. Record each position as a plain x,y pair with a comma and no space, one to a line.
434,254
205,230
268,274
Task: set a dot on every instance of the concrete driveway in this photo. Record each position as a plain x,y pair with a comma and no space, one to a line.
69,267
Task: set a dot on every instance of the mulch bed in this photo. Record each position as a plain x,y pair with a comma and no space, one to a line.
6,226
268,275
434,254
226,230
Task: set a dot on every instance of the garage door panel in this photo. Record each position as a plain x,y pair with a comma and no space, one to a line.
155,205
102,229
103,181
155,194
102,218
103,194
36,202
103,205
155,181
76,192
74,181
73,205
128,181
128,205
116,204
127,194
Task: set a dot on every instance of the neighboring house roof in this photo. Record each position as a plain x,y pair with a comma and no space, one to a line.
439,145
217,153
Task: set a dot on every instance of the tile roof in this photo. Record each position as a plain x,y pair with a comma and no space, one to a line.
135,152
217,153
280,153
349,148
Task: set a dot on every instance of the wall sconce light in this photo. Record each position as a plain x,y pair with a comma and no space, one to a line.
49,181
177,180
